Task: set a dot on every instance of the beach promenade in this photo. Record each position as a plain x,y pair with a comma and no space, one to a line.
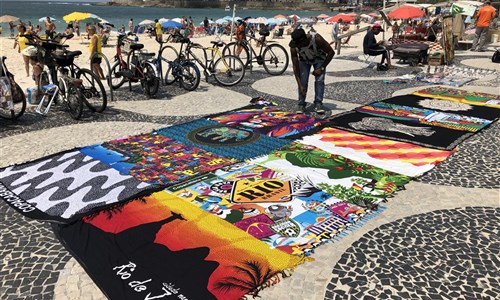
438,239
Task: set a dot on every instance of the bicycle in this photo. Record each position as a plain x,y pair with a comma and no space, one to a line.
165,55
182,70
137,68
15,108
228,70
76,86
273,56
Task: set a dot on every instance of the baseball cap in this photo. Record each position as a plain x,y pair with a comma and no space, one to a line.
378,26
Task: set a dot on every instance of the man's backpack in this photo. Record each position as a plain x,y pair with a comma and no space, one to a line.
496,56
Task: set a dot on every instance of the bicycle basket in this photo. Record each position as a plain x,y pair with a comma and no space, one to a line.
126,43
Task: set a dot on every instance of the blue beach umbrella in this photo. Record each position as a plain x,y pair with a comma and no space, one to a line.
271,21
42,19
171,24
221,21
228,18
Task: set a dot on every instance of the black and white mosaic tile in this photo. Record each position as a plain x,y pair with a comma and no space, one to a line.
30,257
445,254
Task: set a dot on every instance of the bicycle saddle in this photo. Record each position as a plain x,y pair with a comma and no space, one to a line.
72,54
217,43
136,46
148,54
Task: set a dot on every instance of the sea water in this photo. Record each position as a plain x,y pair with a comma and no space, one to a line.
120,15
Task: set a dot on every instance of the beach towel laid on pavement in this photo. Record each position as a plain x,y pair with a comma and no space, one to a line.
222,139
270,121
399,157
64,186
155,159
424,116
464,109
345,179
282,211
473,98
405,131
162,247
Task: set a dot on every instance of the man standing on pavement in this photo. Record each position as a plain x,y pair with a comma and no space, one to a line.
483,20
310,50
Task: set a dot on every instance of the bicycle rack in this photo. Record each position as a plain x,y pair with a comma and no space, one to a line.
108,76
48,90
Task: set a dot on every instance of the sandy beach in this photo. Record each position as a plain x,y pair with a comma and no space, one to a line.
15,64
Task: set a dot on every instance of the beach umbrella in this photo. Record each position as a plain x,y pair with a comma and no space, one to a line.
171,24
294,16
76,16
260,20
148,22
42,19
345,18
352,14
178,20
221,21
271,21
322,16
282,20
163,20
280,17
8,18
306,20
374,15
229,18
209,22
406,12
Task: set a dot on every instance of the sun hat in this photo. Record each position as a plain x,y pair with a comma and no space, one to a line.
29,51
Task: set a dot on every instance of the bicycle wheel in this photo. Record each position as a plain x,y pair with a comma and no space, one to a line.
275,59
232,49
167,54
74,100
190,76
229,70
117,80
18,105
93,90
150,83
170,77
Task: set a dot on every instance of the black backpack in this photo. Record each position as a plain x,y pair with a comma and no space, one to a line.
496,56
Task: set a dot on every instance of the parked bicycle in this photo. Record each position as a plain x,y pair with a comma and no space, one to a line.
76,86
228,70
138,67
271,55
182,70
14,107
166,54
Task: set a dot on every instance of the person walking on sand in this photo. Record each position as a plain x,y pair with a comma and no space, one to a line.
95,52
50,28
131,25
335,32
11,28
483,20
309,50
20,42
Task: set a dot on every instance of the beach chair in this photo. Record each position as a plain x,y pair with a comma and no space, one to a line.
345,42
278,33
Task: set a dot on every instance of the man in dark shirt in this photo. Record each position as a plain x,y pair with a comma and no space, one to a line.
374,48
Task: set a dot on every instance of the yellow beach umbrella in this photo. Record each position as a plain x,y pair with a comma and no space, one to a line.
76,16
8,18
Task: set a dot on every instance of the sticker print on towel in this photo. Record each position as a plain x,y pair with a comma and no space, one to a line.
269,205
446,106
269,121
64,186
345,179
399,157
222,139
474,98
424,116
161,247
404,131
156,159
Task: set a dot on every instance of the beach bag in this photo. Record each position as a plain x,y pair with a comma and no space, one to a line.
496,56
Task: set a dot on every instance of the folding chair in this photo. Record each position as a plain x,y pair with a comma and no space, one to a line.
369,59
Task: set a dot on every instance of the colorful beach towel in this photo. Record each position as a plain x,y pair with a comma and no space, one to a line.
345,179
270,121
279,210
424,116
411,132
464,109
399,157
222,139
473,98
156,159
161,247
65,186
